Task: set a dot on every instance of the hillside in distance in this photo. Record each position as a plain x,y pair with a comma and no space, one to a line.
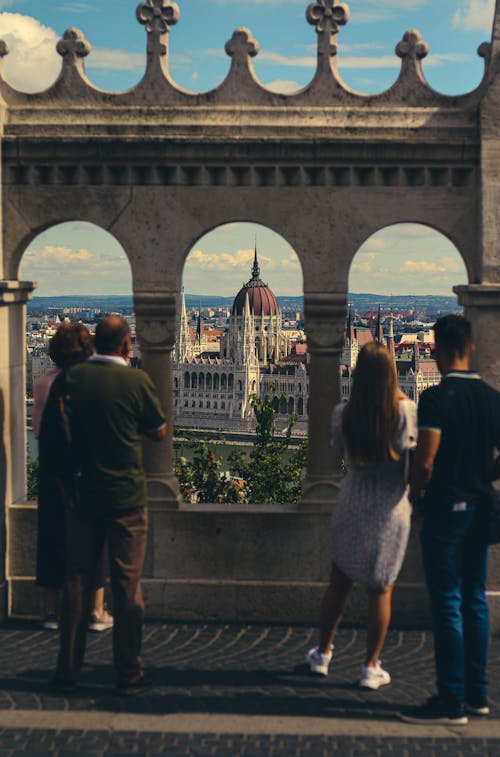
422,305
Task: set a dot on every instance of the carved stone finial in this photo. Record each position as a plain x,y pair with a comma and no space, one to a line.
412,46
73,45
158,15
4,48
242,45
327,16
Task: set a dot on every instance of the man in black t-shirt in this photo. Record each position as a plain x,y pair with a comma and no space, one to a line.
459,431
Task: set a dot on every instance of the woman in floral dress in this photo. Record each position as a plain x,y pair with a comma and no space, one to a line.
371,517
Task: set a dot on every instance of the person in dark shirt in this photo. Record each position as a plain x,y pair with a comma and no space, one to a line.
459,431
110,407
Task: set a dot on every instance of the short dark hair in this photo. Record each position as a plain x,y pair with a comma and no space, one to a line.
110,334
453,335
72,343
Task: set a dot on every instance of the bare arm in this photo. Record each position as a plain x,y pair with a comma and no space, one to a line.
158,434
423,462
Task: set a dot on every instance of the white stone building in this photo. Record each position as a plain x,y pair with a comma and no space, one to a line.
255,358
416,370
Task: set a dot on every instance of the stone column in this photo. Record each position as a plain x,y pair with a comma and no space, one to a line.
482,307
156,314
325,316
13,297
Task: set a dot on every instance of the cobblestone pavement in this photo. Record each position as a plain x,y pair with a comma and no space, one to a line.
217,686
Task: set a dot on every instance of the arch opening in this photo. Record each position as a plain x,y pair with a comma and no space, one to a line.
241,325
82,274
401,280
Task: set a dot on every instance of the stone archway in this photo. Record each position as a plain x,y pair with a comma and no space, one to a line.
325,167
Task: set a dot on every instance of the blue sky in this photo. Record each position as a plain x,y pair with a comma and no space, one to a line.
452,28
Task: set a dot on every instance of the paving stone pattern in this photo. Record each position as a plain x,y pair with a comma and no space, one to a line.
230,670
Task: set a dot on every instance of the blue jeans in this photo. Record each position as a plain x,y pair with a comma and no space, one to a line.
455,561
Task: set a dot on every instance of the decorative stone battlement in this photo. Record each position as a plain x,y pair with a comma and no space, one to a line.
74,107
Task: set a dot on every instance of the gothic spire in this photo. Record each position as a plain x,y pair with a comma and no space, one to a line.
379,330
390,338
255,269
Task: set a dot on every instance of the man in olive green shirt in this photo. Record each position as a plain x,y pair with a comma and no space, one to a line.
110,407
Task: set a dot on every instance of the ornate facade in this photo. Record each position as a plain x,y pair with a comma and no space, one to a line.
415,371
213,391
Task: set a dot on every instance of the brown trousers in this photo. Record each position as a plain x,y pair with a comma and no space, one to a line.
126,535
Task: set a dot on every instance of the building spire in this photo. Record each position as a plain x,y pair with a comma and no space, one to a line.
350,326
255,269
379,330
198,326
390,337
415,361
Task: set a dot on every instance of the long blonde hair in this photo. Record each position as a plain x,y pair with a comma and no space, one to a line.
371,417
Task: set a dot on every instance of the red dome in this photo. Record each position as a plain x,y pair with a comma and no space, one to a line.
260,298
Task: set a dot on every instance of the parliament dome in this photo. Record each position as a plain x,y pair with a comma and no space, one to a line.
261,299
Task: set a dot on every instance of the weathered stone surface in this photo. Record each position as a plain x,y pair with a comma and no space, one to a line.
325,167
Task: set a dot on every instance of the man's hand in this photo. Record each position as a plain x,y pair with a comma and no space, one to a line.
159,434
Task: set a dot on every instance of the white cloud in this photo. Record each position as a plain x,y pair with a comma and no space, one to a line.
52,257
77,7
355,61
115,60
441,265
33,63
225,261
475,15
283,86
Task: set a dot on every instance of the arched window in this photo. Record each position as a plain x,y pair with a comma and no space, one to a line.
176,383
223,381
276,404
194,381
230,381
216,382
209,381
240,386
187,380
283,406
300,406
201,381
291,406
300,388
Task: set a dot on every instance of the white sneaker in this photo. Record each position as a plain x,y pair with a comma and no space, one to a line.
374,678
318,663
100,622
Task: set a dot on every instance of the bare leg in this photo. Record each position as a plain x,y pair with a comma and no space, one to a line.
332,608
98,601
379,617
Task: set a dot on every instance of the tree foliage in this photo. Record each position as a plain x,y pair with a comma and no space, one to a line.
274,471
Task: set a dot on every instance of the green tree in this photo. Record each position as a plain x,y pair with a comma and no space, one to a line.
32,479
274,472
203,480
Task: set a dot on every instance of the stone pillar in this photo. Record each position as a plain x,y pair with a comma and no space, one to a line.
156,314
13,296
325,316
482,307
